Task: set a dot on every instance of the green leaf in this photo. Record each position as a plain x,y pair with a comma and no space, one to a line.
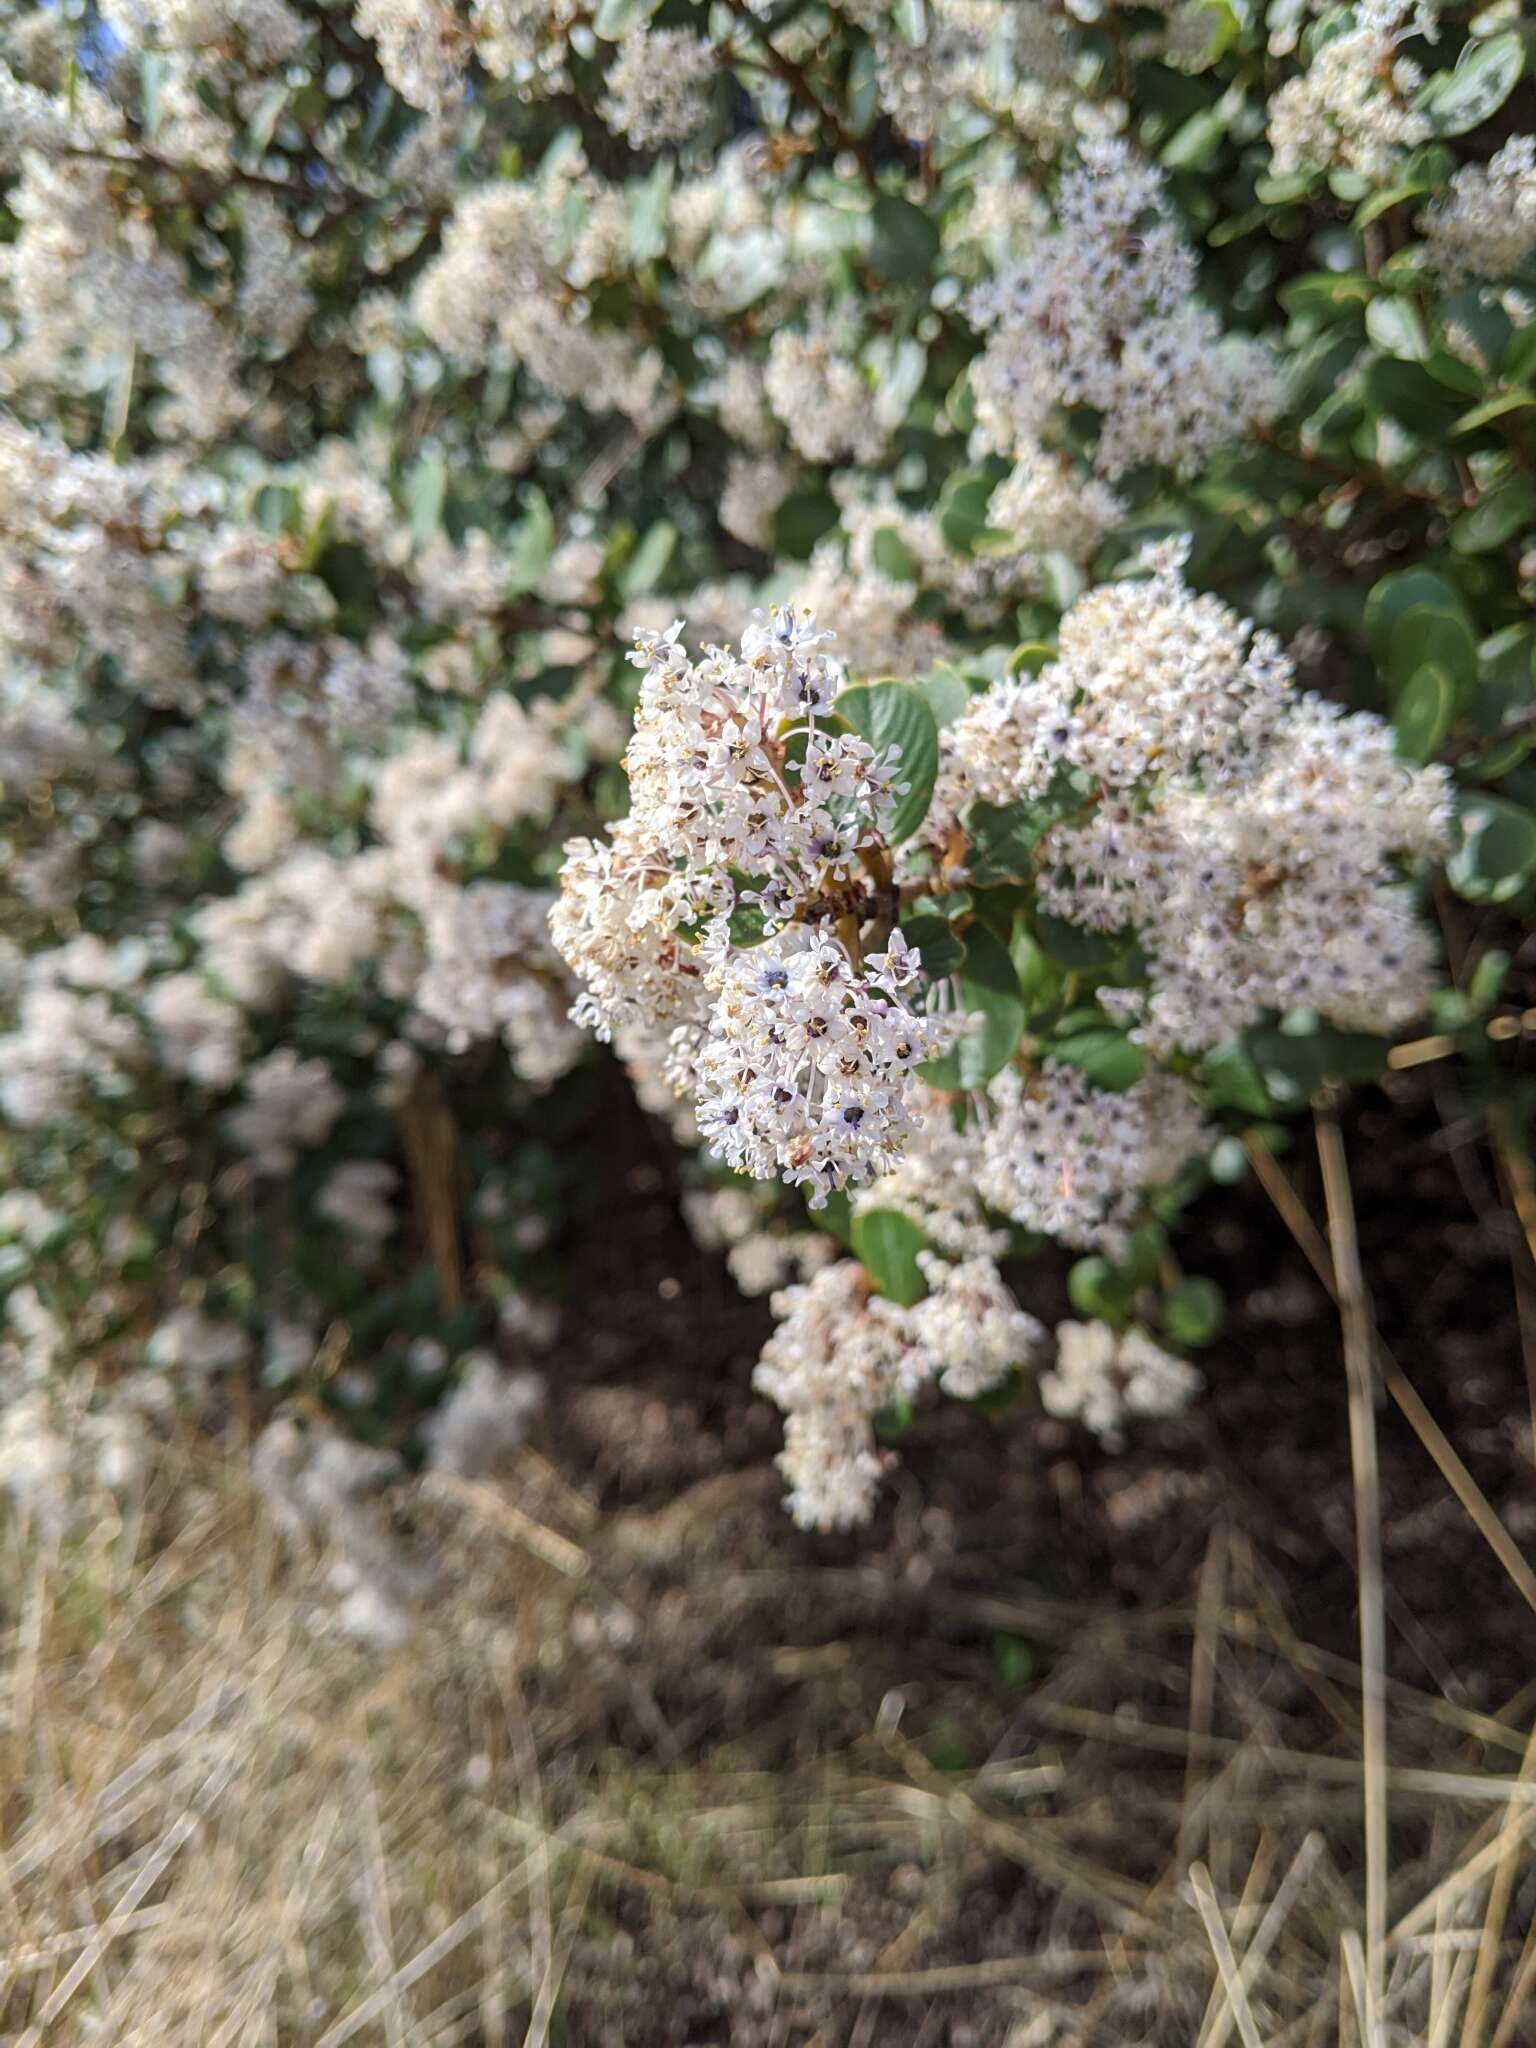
1094,1288
941,946
1422,715
426,490
1407,393
1030,656
895,715
1495,409
1324,292
1487,980
1432,633
614,19
946,693
1232,1080
1106,1056
963,508
903,240
1520,355
800,521
1486,74
1392,595
1496,855
886,1244
533,542
1076,948
890,556
1383,202
1295,1064
1394,325
643,571
1004,836
1193,1311
1038,978
1494,518
1195,142
988,988
1453,372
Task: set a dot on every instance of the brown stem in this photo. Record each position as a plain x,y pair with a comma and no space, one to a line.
1367,476
432,1158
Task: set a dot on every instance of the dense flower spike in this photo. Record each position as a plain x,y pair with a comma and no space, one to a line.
1101,315
745,797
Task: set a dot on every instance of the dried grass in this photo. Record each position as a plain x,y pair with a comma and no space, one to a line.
223,1827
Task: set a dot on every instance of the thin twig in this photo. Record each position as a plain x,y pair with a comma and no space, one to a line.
1355,1316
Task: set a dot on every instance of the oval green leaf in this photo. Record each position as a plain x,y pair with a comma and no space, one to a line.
895,715
1496,855
1106,1057
1485,75
988,989
886,1244
1422,715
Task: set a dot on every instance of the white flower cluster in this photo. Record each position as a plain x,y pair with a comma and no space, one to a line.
743,798
1250,838
1101,313
74,1033
511,280
1353,105
486,1415
425,47
1044,504
1278,890
657,88
1012,59
841,1353
288,1102
1485,225
830,404
1104,1378
1148,677
1073,1161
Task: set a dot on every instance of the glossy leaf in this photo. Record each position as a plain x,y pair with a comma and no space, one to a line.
1422,716
941,946
989,990
1193,1311
1495,518
1485,75
886,1244
1436,634
1106,1057
903,240
1496,853
895,715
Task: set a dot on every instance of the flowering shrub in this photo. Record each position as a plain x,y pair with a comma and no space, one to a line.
1066,477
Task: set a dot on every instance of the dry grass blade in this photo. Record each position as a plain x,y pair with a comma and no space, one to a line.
1355,1315
1309,1238
1221,1948
1506,1868
1222,2012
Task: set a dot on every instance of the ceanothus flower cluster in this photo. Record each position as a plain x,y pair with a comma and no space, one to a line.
1252,839
841,1352
799,1050
1102,313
